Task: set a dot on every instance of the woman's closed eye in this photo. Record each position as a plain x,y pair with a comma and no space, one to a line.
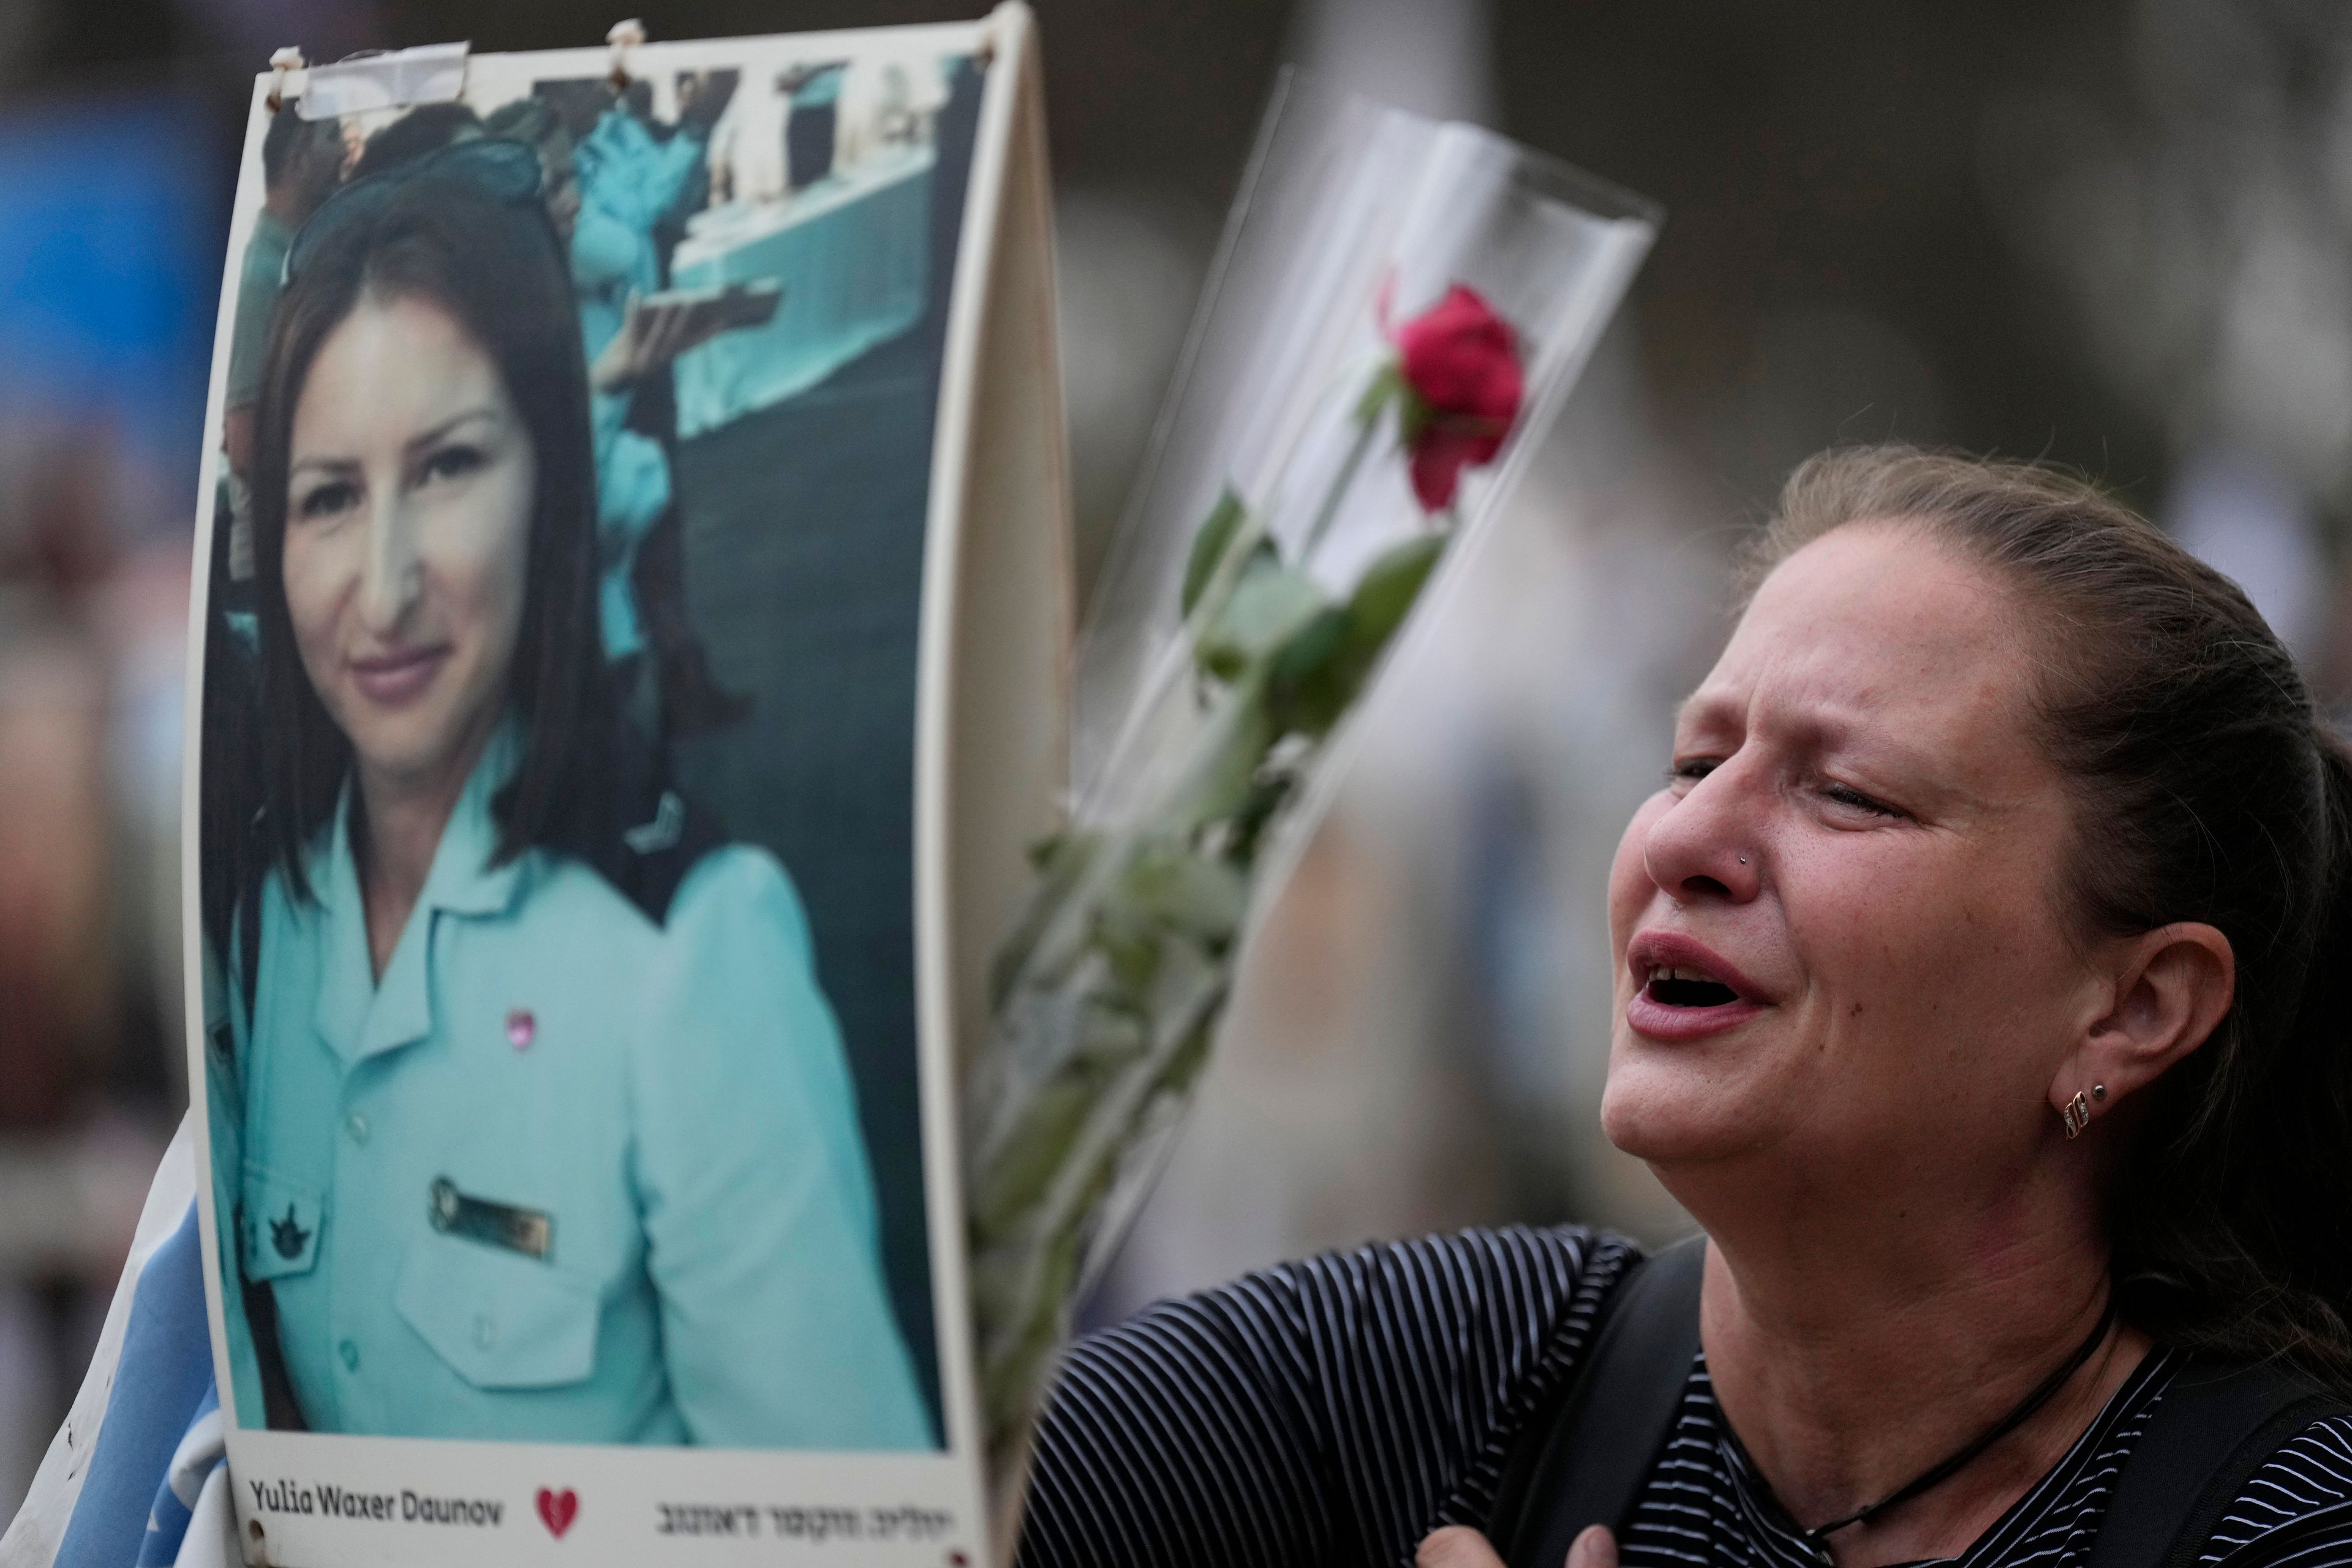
1690,769
1856,800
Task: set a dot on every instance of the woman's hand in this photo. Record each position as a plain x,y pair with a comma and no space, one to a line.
1459,1546
657,328
653,333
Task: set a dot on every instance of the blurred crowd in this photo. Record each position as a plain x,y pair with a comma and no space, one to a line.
2117,233
102,286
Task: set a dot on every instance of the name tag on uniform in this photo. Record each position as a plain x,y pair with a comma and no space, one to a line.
531,1232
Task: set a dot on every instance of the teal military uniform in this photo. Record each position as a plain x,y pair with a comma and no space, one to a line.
563,1174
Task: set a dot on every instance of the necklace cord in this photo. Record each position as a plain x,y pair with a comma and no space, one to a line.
2017,1417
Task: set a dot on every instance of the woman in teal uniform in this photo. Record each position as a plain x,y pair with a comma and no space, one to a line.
547,1132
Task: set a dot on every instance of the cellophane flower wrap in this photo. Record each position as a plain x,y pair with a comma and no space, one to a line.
1398,308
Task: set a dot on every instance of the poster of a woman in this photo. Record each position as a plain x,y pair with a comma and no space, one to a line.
547,1126
560,1062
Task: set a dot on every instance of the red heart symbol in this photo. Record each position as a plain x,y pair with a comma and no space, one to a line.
558,1510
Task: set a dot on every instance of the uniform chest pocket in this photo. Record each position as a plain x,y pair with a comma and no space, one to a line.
500,1318
278,1225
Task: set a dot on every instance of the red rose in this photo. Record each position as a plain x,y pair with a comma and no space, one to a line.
1462,365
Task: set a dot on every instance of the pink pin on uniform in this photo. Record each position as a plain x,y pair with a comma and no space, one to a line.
521,1028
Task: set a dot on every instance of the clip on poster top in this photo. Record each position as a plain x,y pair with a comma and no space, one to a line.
282,65
623,36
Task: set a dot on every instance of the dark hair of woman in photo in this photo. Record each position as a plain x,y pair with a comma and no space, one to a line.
1975,971
554,1059
484,254
423,129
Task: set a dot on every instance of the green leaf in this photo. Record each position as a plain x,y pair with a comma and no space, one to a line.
1266,608
1225,663
1035,1151
1303,685
1183,890
1071,846
1319,673
1015,1369
1269,791
1130,950
1209,546
1233,747
1315,703
1310,647
1389,588
1061,860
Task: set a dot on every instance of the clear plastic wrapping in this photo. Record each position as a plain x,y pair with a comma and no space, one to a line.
1398,308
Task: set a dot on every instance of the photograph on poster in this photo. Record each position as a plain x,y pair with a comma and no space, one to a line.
556,762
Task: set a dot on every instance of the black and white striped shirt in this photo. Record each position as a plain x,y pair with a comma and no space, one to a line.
1335,1411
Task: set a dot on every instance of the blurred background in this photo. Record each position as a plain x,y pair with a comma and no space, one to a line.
2114,233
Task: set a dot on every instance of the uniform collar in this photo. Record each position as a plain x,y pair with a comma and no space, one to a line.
357,1015
462,879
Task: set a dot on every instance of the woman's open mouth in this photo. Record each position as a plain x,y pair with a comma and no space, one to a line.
1679,988
1684,990
392,680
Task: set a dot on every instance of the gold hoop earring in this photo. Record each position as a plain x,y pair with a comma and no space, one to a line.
2076,1116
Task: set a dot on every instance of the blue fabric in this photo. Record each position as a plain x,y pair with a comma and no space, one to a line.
167,1526
161,1387
199,1455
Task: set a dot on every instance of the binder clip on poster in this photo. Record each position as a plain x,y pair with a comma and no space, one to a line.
282,65
622,38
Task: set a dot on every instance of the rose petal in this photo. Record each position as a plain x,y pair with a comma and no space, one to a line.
1439,457
1461,357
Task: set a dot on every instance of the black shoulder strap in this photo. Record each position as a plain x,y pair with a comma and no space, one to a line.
1584,1462
2214,1427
